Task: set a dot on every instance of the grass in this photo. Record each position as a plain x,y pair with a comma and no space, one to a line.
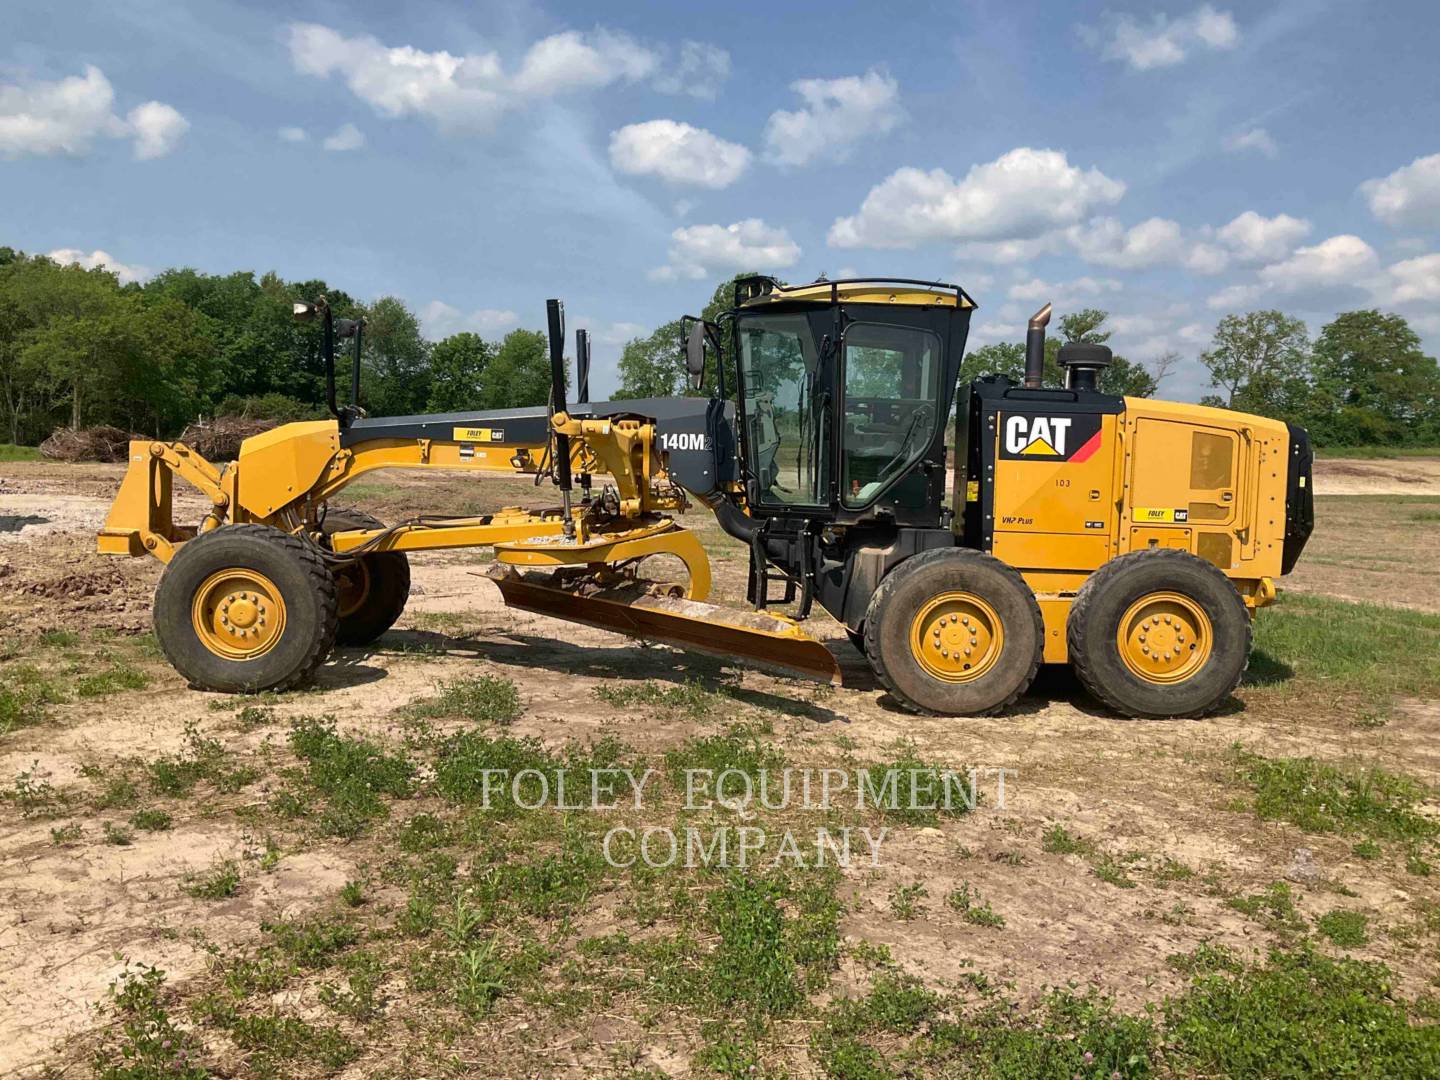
485,699
219,882
689,699
151,820
112,680
203,758
1376,452
351,773
1360,648
1322,798
1346,929
972,909
1274,906
143,1042
1301,1014
11,452
25,694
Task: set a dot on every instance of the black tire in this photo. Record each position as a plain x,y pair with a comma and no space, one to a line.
1093,628
299,576
373,590
902,598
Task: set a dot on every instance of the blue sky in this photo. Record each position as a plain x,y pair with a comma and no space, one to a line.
1168,162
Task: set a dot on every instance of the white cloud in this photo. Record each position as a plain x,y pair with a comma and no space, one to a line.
1340,260
700,72
467,93
698,251
1107,242
66,116
1062,293
1409,198
1009,252
1252,237
441,320
98,258
157,128
345,137
1234,296
1256,138
1163,41
1413,281
677,153
1021,195
292,134
574,61
837,114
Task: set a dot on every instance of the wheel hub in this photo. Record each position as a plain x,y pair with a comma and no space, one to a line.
957,637
238,613
1165,637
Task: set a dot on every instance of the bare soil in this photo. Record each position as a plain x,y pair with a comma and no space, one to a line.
1141,792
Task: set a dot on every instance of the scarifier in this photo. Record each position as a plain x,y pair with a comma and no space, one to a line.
1133,539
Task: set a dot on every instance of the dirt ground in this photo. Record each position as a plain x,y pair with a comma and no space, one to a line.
1148,794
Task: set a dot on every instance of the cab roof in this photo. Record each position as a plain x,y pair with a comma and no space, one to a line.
758,291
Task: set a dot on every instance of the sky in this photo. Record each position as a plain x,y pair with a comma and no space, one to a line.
1170,163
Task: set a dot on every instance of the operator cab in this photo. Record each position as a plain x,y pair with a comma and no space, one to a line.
843,390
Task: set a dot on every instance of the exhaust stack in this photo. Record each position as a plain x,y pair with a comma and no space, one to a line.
1035,349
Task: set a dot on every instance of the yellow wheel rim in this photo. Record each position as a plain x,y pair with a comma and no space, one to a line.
1165,637
957,637
352,586
238,614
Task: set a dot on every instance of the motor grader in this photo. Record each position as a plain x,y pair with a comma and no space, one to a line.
1132,539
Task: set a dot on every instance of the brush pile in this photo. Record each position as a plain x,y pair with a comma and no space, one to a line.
103,443
219,439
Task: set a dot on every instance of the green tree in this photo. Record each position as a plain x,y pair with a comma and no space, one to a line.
457,370
654,366
518,374
1260,363
395,360
1373,383
1083,326
1123,377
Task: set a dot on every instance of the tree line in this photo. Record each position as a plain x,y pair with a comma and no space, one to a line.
78,348
1363,381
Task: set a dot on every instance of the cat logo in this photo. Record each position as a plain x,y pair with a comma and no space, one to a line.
1040,437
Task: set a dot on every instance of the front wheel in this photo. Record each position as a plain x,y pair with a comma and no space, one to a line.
246,608
1159,633
954,632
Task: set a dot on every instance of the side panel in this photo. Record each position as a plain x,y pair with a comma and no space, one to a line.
1207,481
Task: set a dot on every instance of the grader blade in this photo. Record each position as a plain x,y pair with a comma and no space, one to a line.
752,637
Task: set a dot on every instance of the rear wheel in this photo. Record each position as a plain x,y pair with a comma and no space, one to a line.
1159,633
372,589
954,632
245,608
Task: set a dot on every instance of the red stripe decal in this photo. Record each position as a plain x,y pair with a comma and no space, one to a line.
1087,451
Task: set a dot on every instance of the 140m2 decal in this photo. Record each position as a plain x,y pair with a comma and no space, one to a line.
1046,437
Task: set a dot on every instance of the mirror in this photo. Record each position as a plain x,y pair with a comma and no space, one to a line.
345,328
303,312
695,352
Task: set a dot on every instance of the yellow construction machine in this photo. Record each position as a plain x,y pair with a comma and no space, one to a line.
1132,539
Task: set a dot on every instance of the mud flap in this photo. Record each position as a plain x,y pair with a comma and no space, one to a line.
761,640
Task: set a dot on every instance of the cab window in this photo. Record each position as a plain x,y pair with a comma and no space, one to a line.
892,378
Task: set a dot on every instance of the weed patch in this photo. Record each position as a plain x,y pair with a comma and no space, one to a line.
220,881
203,758
1347,929
485,699
688,699
1302,1014
351,772
1319,797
